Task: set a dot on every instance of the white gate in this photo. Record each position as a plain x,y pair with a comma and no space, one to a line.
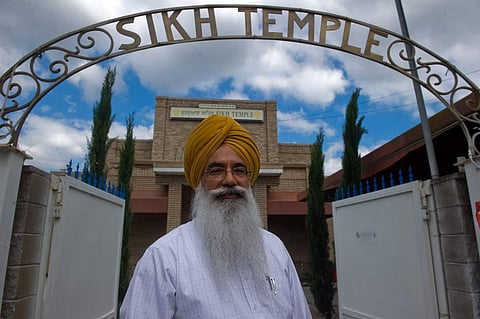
81,265
383,255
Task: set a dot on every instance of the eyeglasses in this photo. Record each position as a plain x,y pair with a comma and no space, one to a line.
219,173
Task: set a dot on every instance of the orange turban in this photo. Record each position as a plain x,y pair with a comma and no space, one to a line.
208,136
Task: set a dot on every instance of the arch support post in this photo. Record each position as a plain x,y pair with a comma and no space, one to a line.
11,163
427,133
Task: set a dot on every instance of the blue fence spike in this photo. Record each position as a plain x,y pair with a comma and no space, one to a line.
69,168
99,182
410,174
77,171
365,186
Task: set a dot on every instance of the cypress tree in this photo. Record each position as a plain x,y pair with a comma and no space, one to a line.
321,267
352,133
127,159
99,142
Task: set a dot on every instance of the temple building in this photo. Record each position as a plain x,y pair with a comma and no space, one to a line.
161,197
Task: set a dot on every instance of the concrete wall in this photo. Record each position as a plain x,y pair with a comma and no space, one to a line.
21,281
459,247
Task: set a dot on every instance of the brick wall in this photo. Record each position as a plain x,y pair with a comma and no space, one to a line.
170,135
293,179
459,246
26,245
145,229
295,159
294,153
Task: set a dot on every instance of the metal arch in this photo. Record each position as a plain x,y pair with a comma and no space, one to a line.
37,73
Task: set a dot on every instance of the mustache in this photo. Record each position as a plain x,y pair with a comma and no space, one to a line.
228,190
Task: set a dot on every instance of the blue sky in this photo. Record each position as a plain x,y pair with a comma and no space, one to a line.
311,85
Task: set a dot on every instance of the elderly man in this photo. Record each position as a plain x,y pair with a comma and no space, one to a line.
222,264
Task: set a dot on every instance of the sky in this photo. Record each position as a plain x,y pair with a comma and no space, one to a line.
312,85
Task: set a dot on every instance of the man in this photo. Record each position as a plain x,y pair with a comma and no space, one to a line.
222,264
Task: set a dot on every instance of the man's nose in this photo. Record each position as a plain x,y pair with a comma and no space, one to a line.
229,178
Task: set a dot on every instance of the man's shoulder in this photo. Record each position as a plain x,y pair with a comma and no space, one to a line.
270,237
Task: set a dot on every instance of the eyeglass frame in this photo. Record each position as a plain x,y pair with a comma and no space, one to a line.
219,173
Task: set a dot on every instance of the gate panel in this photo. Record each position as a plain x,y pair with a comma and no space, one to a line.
84,258
383,255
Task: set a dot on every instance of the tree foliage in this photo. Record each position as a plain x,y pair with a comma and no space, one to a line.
99,142
321,267
127,160
352,133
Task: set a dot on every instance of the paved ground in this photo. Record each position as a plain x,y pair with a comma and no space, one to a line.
313,309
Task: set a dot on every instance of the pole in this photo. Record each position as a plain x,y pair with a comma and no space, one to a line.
433,227
427,135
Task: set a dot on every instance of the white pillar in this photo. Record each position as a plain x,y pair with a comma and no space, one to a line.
11,162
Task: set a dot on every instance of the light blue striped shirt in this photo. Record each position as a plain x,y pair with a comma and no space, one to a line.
172,280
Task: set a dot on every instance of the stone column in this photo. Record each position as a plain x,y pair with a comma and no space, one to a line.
260,192
174,205
11,162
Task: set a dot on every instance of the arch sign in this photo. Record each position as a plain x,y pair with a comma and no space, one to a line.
33,76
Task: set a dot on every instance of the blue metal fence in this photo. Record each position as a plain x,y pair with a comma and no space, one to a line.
95,181
374,184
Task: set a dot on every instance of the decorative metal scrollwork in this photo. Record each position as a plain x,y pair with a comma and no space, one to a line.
435,71
33,76
39,72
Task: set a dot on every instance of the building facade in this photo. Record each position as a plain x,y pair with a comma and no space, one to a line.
161,197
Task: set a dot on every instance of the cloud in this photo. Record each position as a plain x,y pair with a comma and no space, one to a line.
291,71
302,78
140,132
333,157
89,82
298,122
54,142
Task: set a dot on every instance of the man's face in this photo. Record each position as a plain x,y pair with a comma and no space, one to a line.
225,168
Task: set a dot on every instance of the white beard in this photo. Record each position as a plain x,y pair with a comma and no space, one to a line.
230,230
